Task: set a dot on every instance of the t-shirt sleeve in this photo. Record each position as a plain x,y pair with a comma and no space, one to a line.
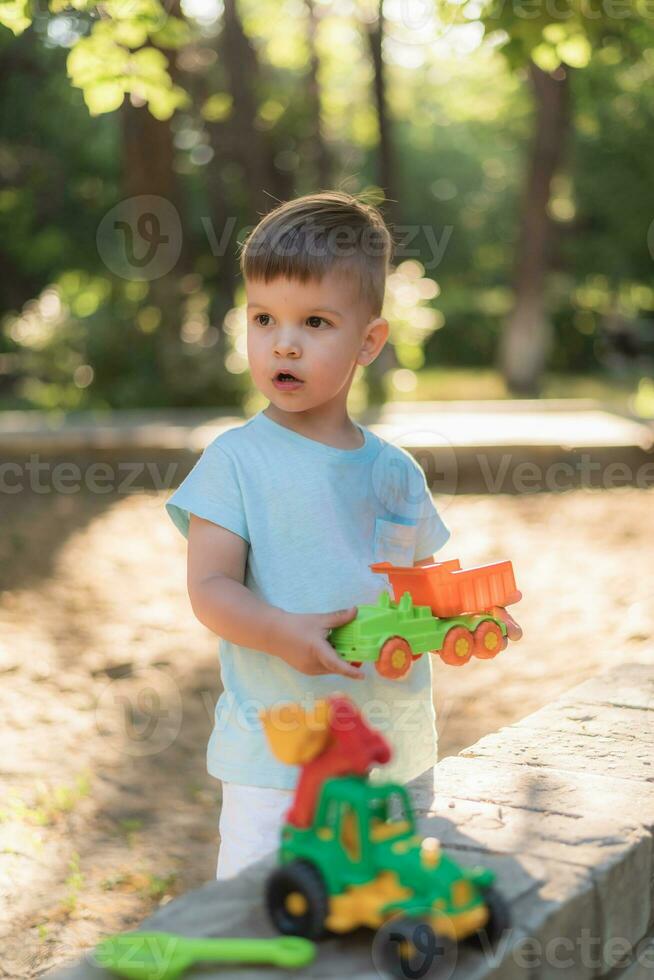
432,533
212,491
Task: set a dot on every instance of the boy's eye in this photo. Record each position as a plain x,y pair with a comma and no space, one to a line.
263,318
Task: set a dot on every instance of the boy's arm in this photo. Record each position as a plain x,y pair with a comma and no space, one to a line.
215,581
215,573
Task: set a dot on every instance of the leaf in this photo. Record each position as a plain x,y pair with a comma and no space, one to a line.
59,6
130,33
15,15
575,51
163,102
218,107
104,97
174,34
555,33
546,57
96,58
149,63
129,9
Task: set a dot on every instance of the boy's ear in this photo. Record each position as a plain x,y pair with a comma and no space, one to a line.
374,337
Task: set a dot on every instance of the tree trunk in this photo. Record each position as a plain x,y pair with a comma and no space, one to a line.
148,155
386,160
249,145
386,175
526,338
320,154
225,234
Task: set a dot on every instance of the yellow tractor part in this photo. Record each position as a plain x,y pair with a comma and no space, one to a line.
296,736
383,830
359,905
296,903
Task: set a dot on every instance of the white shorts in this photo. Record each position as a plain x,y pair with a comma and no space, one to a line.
252,817
250,824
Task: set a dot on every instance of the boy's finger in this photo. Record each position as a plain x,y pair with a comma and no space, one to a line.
340,616
513,629
335,665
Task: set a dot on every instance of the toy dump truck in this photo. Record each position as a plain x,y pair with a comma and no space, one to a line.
438,608
350,854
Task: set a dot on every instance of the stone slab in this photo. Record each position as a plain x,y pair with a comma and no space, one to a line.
625,724
568,751
559,805
628,685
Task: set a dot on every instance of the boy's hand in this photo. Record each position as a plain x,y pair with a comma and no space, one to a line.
513,629
303,643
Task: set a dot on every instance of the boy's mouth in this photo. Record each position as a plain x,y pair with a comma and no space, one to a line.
285,377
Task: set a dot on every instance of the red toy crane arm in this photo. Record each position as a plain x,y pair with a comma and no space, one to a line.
348,746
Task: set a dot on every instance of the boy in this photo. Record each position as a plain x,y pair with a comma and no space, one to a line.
285,513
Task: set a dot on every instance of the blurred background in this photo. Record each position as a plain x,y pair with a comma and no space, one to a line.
509,146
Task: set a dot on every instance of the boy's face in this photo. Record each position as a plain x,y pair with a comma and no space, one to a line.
317,331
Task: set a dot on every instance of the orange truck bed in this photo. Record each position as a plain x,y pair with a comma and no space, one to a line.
450,590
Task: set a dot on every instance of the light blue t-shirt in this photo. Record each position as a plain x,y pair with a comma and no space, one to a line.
315,517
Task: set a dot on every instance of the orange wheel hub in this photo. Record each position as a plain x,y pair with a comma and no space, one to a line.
489,640
394,658
457,646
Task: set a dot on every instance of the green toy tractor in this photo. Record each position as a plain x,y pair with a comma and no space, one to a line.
356,866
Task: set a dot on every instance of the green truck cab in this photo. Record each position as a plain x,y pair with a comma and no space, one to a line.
394,634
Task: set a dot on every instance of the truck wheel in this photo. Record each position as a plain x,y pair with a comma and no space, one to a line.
457,646
499,919
489,640
394,658
296,899
410,948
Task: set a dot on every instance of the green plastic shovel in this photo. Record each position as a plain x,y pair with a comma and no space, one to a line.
165,955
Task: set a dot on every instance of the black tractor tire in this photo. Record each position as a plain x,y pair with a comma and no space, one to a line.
297,878
410,949
499,919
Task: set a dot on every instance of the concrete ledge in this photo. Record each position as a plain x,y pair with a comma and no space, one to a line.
560,805
520,446
561,423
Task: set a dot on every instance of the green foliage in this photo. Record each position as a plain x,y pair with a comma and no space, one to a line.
105,65
51,802
105,68
74,335
16,15
563,33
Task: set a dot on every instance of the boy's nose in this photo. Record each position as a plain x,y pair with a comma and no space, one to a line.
286,343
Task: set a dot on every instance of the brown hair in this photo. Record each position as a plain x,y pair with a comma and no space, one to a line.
312,235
